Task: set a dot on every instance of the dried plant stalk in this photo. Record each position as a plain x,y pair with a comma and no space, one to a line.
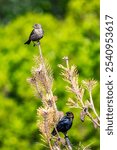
48,114
70,75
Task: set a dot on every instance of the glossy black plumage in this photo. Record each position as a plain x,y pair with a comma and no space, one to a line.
36,34
64,124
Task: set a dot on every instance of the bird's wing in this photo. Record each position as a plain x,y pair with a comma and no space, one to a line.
63,124
36,34
33,36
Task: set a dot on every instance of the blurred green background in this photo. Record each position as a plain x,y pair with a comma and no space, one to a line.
71,28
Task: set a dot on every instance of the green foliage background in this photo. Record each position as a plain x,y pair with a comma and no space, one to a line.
71,28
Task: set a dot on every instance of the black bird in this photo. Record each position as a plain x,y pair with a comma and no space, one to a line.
64,124
36,34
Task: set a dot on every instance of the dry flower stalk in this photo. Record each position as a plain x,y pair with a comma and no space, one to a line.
48,114
70,75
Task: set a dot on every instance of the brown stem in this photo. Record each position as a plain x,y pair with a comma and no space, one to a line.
50,145
46,76
40,51
68,143
57,132
38,90
92,104
45,70
94,121
76,91
72,84
42,60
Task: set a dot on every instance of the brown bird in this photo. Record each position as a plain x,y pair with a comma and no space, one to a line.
64,124
36,34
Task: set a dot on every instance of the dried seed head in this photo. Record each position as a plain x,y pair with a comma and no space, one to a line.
89,84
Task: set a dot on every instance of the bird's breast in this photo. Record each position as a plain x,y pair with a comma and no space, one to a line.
39,31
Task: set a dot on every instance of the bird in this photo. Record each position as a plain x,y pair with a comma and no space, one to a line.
64,124
36,34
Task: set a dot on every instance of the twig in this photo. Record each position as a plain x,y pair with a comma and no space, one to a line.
68,143
40,51
38,90
42,60
92,104
66,60
88,146
50,145
71,76
72,83
92,119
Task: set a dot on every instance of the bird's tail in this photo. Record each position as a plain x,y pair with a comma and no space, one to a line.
54,132
27,42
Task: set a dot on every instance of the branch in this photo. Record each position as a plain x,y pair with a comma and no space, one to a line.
93,107
70,75
68,143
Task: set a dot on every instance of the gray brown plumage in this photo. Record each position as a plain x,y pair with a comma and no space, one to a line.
36,34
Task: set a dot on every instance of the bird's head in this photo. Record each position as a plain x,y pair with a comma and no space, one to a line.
70,115
37,26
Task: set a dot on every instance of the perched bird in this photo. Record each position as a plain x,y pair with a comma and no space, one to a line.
64,124
36,34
